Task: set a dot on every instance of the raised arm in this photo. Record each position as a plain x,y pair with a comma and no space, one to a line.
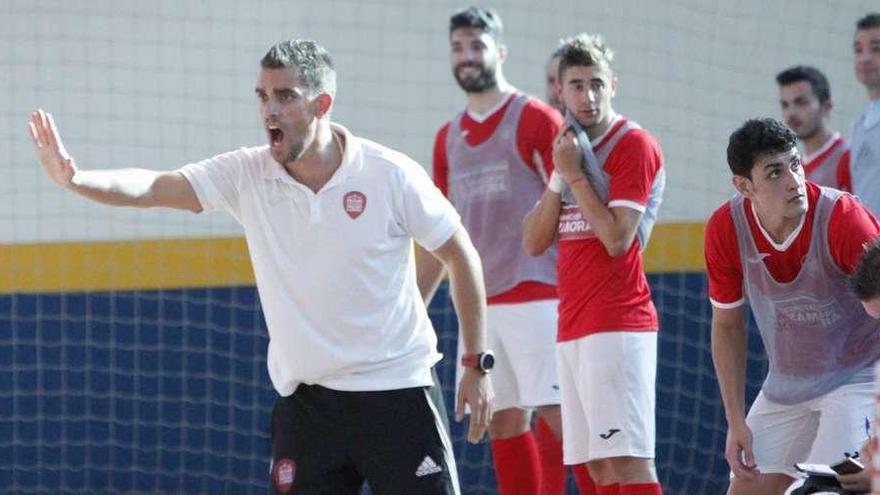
120,187
729,339
468,293
615,227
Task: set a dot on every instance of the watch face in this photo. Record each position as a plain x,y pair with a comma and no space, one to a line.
487,362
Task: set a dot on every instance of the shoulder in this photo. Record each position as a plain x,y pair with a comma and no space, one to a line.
849,210
255,160
443,131
639,140
636,152
535,109
378,158
720,224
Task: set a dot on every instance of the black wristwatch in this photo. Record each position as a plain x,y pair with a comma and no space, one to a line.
483,361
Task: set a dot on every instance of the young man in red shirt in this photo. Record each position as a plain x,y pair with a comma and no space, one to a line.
492,161
601,204
787,247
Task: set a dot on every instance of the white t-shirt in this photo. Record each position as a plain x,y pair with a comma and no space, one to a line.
335,270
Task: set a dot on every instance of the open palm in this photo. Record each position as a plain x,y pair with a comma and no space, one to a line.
50,150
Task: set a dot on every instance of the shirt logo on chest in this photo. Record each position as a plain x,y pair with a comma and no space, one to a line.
354,203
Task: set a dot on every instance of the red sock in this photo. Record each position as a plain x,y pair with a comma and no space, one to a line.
608,489
516,465
583,480
641,489
550,451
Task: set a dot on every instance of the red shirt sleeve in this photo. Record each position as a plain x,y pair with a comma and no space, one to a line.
723,265
633,166
441,166
844,179
538,125
851,226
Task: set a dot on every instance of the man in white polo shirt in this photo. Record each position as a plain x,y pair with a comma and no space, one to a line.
329,220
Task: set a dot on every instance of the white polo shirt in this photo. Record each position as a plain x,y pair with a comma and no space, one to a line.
335,270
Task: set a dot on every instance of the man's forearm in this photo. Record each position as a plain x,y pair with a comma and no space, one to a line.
729,358
122,187
608,229
468,294
541,224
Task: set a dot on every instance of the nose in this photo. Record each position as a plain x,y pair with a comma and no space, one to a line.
794,178
591,96
468,55
271,107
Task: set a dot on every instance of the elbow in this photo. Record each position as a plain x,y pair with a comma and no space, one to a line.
532,247
617,247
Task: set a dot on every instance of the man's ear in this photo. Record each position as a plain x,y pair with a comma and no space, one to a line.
323,103
827,106
502,53
743,185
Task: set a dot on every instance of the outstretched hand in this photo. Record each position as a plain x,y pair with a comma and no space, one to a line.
55,160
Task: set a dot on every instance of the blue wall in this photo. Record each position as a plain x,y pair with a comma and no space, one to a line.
167,391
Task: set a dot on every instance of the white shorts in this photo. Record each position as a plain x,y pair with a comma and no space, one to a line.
523,338
608,386
817,431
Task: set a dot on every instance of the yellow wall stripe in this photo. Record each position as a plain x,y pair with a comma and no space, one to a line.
222,262
676,247
135,265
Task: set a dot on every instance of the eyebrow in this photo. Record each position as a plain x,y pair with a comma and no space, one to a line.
580,81
260,91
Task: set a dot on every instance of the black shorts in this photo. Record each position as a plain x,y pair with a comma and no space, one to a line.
328,442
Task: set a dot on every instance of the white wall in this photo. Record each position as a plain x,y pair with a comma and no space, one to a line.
159,83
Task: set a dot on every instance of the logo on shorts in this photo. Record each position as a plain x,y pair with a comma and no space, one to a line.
283,474
428,466
355,203
611,432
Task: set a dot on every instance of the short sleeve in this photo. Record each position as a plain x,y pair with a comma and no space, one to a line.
850,227
633,167
441,167
537,128
428,217
723,266
217,181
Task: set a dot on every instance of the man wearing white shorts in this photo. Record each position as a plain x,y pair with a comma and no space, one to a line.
787,246
601,204
492,161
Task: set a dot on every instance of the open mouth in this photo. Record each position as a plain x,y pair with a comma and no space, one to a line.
276,135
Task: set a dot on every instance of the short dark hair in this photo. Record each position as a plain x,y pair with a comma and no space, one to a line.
311,59
584,50
756,138
812,75
870,21
865,280
486,20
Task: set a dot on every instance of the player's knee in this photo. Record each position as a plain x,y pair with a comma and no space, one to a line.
602,472
509,423
553,417
764,484
632,470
